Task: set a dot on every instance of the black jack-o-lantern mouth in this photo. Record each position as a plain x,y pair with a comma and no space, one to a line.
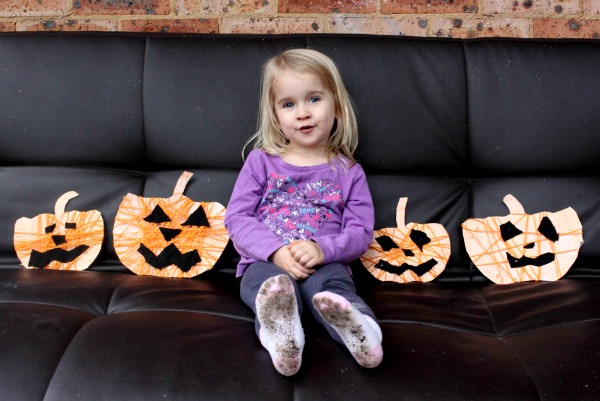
42,259
170,256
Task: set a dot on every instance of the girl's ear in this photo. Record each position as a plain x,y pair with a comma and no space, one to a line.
338,112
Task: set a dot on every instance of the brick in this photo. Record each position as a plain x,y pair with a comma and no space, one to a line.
591,7
428,6
328,6
276,25
493,6
223,7
7,26
408,26
67,25
189,25
531,7
32,8
566,28
480,27
120,7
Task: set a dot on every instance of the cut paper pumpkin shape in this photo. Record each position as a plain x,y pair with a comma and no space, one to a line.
524,247
409,252
59,241
169,237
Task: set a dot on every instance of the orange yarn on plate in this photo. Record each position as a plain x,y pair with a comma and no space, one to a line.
524,247
164,237
59,241
416,252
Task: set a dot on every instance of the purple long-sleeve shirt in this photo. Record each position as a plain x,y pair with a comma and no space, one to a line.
274,203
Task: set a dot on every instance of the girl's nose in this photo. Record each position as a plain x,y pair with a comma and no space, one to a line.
302,113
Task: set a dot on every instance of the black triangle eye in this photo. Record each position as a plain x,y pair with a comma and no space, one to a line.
419,238
157,216
548,230
386,243
198,219
50,228
508,230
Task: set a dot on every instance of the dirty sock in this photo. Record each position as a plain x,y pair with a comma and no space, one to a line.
360,333
280,331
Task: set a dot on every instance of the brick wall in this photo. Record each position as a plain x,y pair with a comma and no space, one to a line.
456,18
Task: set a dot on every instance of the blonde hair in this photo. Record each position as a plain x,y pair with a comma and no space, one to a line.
269,137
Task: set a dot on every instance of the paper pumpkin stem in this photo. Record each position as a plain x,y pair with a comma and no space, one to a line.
182,183
401,213
514,206
61,204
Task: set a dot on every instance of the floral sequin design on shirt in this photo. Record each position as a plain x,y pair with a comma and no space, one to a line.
296,213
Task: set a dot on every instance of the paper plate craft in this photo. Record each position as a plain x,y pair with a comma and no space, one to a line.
59,241
409,252
169,237
524,247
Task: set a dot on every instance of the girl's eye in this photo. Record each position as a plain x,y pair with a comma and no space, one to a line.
288,105
314,99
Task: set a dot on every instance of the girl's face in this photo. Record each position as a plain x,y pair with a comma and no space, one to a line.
305,111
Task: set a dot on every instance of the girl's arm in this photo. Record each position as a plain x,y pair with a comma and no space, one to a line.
358,220
251,238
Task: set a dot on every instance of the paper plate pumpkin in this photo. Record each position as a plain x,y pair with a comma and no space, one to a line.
169,237
524,247
407,253
59,241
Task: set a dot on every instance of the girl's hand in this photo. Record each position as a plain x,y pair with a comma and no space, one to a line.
283,258
308,253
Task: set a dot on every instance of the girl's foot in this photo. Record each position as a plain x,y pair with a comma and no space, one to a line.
281,331
360,333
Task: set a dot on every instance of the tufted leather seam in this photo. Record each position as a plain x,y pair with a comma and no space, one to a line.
525,366
106,312
547,327
489,311
472,269
112,295
62,357
143,99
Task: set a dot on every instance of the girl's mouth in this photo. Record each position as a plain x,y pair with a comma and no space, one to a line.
306,128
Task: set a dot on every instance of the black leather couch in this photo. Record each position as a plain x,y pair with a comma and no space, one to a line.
454,125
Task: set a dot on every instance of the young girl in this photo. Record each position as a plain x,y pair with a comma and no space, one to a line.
301,210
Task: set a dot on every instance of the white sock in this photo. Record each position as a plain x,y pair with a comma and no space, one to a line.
360,333
281,331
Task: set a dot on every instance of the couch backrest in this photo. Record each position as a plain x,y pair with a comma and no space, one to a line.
454,125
